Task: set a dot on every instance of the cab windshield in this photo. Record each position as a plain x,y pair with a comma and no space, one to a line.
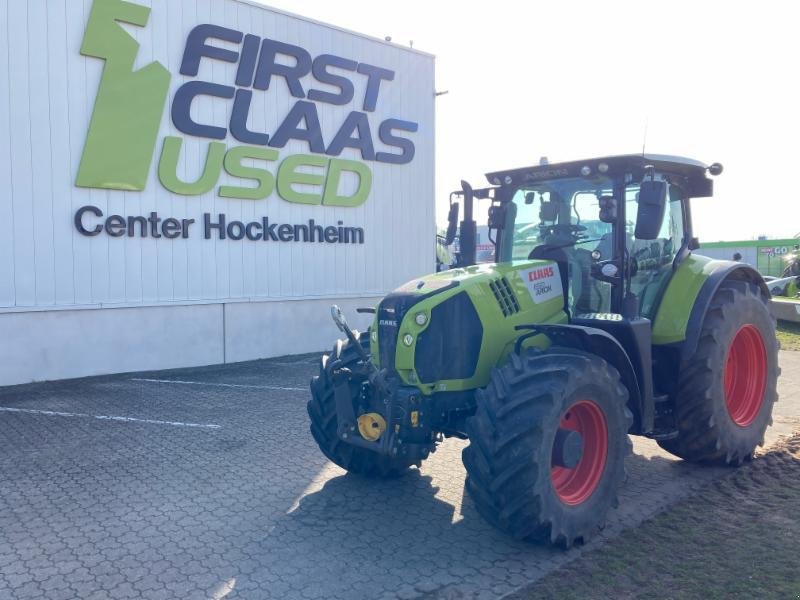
565,213
561,212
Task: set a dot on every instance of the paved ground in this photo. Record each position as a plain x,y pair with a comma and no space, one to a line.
210,486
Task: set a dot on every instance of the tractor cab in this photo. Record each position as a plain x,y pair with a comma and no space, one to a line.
618,226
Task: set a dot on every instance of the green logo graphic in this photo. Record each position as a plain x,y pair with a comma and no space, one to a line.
127,111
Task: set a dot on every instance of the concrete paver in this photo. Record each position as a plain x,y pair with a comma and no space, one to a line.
215,489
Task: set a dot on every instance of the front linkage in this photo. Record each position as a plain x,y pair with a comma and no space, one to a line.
396,420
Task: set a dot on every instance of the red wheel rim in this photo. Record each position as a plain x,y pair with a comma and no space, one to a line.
745,375
575,485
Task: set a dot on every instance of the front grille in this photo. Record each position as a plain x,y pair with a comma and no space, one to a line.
391,311
505,296
450,346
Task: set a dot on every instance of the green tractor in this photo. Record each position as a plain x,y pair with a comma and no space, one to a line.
597,321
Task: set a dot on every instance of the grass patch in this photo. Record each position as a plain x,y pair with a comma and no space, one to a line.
736,539
789,335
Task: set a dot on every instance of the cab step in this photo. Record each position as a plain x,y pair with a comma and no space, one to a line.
664,425
663,434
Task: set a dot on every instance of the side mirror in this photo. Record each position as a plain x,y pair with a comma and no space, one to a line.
608,209
497,217
452,224
652,203
530,197
548,211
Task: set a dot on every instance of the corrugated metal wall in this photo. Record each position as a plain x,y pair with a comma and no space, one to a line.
47,91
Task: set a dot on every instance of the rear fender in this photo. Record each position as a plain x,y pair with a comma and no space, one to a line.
724,271
689,293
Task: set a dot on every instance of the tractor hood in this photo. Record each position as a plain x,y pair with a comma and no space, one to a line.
443,332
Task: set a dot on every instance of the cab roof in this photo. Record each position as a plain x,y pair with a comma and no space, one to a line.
692,173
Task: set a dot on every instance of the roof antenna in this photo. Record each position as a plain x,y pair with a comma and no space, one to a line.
644,138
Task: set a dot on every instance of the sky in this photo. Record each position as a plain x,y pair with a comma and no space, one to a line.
569,79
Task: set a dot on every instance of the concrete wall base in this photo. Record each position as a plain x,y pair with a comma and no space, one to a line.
62,344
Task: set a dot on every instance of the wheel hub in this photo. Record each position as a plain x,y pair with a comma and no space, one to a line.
745,375
586,453
567,448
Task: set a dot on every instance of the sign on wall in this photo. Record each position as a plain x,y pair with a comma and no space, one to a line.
123,135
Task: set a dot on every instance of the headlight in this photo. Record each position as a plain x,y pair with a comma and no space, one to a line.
421,318
408,339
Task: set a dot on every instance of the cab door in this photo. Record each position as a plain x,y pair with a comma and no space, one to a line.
651,260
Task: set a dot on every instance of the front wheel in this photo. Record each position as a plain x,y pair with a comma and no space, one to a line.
547,445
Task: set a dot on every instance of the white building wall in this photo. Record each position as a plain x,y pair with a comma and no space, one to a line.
60,290
749,254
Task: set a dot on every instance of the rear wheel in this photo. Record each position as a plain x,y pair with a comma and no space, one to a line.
547,445
322,411
727,388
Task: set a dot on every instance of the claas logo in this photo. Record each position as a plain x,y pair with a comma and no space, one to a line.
540,273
